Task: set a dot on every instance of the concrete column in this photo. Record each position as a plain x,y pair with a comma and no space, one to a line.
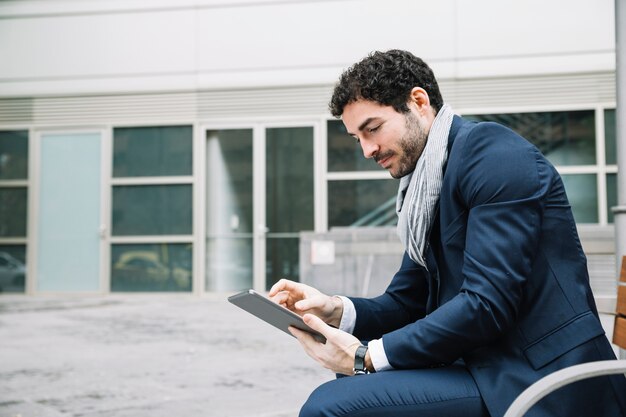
620,118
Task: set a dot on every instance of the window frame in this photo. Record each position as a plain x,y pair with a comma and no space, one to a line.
197,285
27,183
600,168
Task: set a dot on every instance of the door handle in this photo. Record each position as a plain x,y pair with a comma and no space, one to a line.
102,231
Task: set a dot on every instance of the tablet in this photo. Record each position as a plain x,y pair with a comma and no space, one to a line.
274,314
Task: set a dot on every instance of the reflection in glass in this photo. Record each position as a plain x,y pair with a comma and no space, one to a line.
609,137
289,197
229,181
362,203
12,268
582,192
611,194
229,264
152,151
151,267
565,138
283,260
229,210
13,154
344,153
13,203
152,210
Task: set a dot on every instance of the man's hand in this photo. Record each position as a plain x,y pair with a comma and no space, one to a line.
302,299
337,354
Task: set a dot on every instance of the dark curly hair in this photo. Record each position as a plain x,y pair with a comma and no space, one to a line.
386,78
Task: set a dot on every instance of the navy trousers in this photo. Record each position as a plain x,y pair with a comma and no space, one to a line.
447,391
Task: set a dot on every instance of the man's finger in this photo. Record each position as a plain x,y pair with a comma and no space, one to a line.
309,303
317,324
280,297
306,339
282,285
297,333
276,288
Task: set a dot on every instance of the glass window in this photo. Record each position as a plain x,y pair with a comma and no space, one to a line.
344,153
565,138
152,210
282,260
13,204
151,267
289,186
609,135
611,194
582,192
362,203
152,151
13,154
12,268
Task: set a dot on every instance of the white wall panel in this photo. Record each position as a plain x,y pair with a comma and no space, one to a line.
505,28
31,8
317,35
101,45
138,46
508,37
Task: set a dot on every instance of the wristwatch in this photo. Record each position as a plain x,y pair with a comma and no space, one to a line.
359,361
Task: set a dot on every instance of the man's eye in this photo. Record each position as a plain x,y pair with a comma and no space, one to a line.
373,129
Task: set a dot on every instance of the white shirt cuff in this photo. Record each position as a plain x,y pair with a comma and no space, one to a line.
375,347
378,356
348,319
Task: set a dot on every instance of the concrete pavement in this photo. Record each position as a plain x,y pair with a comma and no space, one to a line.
146,355
149,355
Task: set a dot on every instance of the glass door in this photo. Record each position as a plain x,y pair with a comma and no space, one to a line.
259,196
289,194
69,212
229,203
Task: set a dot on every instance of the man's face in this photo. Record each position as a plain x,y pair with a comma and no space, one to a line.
394,140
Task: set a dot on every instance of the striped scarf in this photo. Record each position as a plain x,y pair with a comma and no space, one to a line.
421,188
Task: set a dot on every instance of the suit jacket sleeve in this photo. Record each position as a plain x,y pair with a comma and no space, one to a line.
502,181
403,302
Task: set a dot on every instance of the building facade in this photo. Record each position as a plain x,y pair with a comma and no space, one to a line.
187,147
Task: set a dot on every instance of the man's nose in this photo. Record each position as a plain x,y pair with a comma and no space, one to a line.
369,149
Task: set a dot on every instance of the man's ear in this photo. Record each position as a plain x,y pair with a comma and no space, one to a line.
419,98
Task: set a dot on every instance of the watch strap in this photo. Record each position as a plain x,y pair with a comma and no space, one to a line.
359,360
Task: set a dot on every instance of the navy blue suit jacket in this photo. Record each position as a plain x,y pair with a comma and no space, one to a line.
507,288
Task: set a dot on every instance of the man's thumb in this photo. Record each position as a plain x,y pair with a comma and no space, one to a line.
315,323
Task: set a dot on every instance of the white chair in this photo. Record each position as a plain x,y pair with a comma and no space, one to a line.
557,379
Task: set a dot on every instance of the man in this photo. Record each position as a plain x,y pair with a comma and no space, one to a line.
493,291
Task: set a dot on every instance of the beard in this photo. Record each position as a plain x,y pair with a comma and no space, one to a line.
411,145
